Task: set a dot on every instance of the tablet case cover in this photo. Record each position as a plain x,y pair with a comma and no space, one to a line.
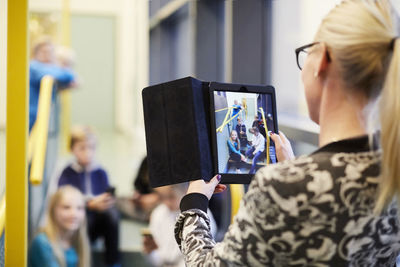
176,116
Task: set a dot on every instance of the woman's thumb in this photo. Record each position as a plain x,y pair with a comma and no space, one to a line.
276,138
216,179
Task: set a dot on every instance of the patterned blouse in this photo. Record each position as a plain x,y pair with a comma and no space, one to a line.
316,210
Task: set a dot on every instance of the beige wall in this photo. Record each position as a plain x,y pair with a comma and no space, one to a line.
131,66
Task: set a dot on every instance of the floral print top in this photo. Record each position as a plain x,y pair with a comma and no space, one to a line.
316,210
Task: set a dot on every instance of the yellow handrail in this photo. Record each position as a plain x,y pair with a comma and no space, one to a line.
31,142
218,110
226,117
220,128
17,134
2,213
266,134
41,130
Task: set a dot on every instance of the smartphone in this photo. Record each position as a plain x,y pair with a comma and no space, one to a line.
111,190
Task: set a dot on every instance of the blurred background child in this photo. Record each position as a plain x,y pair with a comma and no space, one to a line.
44,63
92,180
63,241
159,243
144,199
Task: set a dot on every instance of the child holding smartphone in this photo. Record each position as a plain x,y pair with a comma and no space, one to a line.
92,180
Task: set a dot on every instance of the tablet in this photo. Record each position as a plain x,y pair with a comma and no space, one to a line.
242,119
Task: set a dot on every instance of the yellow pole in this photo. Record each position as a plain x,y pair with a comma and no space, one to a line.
16,134
65,95
237,192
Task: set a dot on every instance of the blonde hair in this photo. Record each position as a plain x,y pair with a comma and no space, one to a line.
79,239
358,35
237,138
81,133
39,43
66,56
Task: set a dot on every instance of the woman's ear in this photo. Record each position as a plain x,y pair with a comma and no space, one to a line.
323,59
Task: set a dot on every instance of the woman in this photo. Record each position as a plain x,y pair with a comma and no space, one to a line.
336,206
63,241
234,152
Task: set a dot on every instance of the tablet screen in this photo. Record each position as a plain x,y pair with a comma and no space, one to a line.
243,123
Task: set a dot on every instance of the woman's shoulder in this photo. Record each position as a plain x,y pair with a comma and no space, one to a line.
321,168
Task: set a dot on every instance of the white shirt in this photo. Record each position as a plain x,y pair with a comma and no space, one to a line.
258,143
162,223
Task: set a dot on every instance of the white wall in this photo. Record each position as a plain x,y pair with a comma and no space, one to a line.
294,24
131,52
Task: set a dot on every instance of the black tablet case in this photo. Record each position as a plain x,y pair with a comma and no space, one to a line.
176,116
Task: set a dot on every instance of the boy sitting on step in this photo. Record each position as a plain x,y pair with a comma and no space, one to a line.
91,179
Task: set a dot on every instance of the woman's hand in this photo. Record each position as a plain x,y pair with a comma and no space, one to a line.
283,148
207,188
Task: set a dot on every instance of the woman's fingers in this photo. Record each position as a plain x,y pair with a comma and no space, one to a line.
200,186
277,139
219,188
283,137
283,147
215,180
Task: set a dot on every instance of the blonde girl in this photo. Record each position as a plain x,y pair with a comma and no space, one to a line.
63,241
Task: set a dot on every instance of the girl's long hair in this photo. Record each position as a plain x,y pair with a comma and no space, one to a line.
79,239
362,37
237,138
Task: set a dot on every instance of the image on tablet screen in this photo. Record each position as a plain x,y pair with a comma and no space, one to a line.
243,123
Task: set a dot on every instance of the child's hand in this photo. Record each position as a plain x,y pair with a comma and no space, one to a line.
148,244
101,202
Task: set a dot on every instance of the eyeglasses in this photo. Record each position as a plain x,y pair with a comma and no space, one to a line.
301,54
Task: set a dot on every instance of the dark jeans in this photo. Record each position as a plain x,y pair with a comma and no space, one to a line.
106,225
255,159
233,160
